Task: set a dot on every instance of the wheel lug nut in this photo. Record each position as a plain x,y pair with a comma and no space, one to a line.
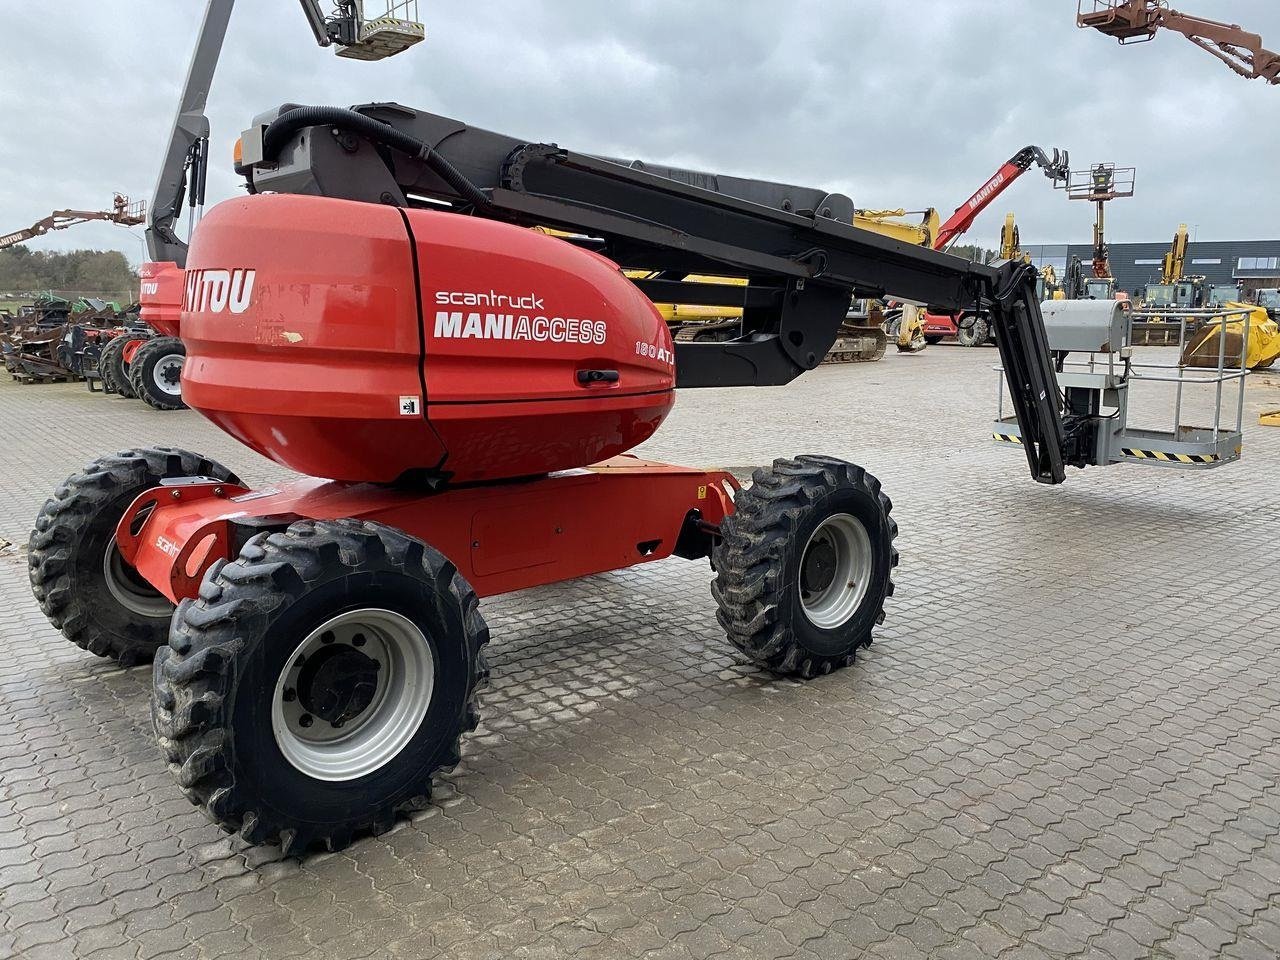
290,694
358,640
305,720
335,724
327,637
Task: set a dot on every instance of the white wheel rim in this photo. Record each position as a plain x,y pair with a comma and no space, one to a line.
835,571
130,590
167,374
375,734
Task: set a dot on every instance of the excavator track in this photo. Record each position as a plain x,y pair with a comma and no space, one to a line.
715,331
856,344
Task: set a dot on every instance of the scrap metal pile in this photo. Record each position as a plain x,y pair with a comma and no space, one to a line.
55,338
58,339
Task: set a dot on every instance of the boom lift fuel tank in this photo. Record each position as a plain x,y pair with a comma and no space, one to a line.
362,342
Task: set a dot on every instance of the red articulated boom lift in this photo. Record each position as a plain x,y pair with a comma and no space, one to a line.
461,392
1056,168
1137,21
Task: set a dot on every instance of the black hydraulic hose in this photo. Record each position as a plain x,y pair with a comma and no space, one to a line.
283,128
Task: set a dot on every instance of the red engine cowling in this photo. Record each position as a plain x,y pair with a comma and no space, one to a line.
362,342
161,297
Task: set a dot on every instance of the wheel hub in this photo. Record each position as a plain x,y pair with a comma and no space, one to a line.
129,589
835,571
819,568
338,683
353,693
167,374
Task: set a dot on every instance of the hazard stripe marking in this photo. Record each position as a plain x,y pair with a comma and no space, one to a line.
1170,457
1006,438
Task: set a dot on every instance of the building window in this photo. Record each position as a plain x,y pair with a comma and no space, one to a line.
1208,262
1259,263
1147,263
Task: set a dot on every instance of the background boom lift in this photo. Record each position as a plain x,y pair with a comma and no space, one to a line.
122,212
1137,21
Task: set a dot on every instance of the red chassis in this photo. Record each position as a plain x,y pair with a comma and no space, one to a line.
502,537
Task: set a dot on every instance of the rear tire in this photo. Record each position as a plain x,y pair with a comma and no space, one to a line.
111,366
82,583
804,565
155,374
266,703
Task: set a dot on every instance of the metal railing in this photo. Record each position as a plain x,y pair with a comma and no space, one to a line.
1216,375
1124,366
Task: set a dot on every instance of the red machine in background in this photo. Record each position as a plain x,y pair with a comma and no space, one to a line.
145,361
1056,168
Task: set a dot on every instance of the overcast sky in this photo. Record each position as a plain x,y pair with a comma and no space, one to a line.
899,103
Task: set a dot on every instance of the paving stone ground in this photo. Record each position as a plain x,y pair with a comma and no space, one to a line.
1064,742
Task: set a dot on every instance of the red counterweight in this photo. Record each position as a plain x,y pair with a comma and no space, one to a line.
369,343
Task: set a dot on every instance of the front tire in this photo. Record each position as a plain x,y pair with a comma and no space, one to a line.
82,583
155,374
804,565
319,682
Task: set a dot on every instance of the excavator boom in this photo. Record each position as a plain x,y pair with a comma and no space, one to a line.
1174,263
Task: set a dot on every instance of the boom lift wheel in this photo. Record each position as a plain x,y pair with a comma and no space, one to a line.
319,682
156,373
804,565
83,585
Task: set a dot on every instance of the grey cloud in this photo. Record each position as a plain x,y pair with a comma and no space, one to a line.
896,103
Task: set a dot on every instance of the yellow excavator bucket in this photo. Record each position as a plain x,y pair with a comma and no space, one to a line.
1203,349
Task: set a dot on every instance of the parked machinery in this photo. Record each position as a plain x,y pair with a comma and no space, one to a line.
1137,21
1048,287
972,327
911,327
1100,184
377,311
863,336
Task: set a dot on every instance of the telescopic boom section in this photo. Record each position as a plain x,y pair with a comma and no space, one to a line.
1055,168
1137,21
184,167
796,247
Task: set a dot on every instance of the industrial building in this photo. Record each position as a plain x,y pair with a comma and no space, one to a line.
1253,264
